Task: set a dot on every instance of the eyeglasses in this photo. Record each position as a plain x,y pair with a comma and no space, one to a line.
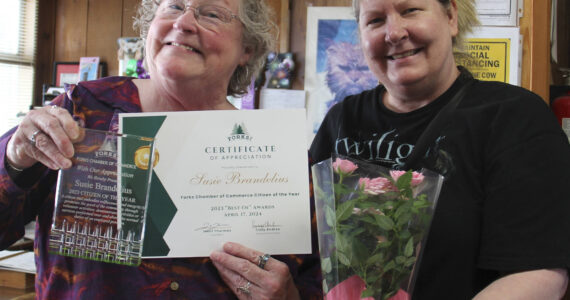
207,15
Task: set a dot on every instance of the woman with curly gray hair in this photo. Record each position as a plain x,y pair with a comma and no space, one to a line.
197,53
258,36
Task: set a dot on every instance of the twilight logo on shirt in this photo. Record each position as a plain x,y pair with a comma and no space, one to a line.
381,147
384,148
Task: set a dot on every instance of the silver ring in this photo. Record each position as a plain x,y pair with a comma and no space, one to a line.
263,260
245,289
33,137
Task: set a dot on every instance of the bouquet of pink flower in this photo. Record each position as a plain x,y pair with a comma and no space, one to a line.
371,223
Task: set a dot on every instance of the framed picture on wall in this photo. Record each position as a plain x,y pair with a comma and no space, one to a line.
88,68
68,72
65,72
332,53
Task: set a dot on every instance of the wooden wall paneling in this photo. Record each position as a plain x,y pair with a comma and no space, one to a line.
284,26
45,48
281,14
562,42
104,22
275,5
129,12
70,30
535,28
299,33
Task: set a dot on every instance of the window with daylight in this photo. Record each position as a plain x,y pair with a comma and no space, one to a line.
18,23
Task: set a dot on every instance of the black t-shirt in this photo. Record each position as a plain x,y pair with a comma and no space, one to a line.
505,202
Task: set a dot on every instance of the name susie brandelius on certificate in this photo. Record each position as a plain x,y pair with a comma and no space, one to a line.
220,176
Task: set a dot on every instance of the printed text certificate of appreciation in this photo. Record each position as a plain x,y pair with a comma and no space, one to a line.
220,176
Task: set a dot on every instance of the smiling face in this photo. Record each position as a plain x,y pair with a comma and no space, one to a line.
180,50
408,43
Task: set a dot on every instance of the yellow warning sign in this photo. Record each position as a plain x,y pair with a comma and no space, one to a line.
489,58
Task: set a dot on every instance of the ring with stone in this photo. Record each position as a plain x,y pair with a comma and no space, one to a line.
33,137
263,260
245,289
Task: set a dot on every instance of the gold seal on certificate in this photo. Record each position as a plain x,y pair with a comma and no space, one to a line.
101,200
239,176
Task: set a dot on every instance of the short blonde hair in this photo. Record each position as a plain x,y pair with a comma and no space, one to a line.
258,37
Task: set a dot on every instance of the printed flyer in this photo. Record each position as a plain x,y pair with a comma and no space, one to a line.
495,54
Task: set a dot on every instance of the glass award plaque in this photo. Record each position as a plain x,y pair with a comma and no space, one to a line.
101,201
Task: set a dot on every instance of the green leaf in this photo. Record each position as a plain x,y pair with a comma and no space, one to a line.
388,204
345,227
344,211
410,261
330,216
358,231
343,259
409,249
389,266
388,294
384,222
422,197
360,251
368,219
367,201
405,234
420,202
325,286
404,207
330,232
404,181
344,248
376,258
400,260
340,241
373,277
384,245
404,219
367,293
326,265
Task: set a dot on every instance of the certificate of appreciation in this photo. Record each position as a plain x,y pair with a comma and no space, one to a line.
221,176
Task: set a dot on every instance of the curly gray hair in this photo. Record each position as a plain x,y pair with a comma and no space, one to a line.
258,37
466,18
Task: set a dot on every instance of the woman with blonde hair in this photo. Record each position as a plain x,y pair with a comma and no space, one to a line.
500,228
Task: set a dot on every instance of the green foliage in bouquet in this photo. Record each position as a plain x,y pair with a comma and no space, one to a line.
378,226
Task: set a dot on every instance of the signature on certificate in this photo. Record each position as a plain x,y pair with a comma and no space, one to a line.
214,227
267,226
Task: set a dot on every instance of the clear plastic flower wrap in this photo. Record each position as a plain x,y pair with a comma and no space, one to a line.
372,223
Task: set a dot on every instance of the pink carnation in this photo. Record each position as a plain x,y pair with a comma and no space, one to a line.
374,186
344,166
417,178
